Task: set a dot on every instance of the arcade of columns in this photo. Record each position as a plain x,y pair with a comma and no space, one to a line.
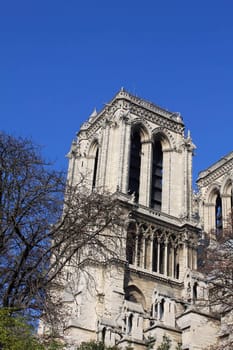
160,250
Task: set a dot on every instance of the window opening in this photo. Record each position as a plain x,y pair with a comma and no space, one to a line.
176,264
130,245
103,335
161,259
162,309
95,168
147,253
195,292
157,176
169,257
177,271
155,255
130,323
151,310
218,213
155,311
135,165
139,250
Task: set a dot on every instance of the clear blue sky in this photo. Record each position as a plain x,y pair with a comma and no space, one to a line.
60,59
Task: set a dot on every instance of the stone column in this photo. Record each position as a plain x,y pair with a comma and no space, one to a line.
194,258
143,258
127,324
166,189
191,257
151,251
226,208
173,261
188,152
165,258
158,258
158,310
124,155
145,173
136,250
185,252
102,164
211,218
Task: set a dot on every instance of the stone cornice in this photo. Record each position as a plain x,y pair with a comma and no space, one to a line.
149,106
137,106
215,171
164,219
163,326
200,313
151,216
154,276
159,119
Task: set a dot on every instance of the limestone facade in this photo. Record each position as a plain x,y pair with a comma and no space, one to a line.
140,152
215,193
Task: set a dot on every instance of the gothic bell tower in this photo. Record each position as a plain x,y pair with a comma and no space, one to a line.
139,151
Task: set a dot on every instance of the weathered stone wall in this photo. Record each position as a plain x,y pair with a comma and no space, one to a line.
133,302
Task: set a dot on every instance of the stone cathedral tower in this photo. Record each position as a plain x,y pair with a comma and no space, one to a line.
140,152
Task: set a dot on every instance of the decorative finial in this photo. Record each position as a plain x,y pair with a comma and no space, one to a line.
94,113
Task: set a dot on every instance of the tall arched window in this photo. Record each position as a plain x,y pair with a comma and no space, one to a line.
218,213
135,164
95,168
157,175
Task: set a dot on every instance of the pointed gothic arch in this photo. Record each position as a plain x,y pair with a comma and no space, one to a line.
138,135
227,192
226,188
214,203
160,143
93,155
166,138
157,176
134,294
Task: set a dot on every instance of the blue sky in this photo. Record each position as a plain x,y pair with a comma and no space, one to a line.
61,59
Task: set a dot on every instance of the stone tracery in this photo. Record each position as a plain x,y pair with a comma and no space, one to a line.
158,250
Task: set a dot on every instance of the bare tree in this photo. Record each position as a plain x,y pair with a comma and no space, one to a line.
42,231
218,266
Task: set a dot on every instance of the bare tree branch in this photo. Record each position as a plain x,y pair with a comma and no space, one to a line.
42,230
217,265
